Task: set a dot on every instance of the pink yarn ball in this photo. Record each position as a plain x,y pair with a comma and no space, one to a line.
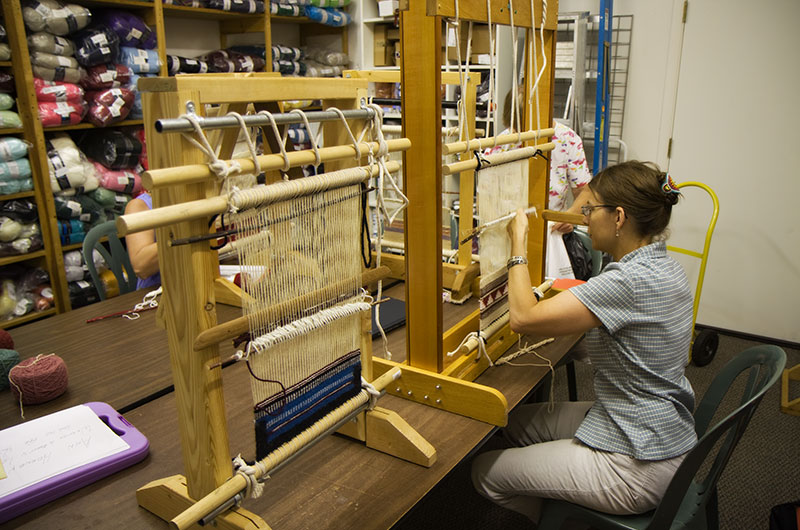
6,342
39,379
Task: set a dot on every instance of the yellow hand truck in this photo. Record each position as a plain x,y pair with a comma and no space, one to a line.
704,344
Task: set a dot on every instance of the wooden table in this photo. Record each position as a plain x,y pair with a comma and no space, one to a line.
118,361
338,483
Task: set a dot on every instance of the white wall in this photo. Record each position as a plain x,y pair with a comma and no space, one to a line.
736,129
736,121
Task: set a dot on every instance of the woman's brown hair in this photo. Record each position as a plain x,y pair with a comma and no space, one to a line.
638,187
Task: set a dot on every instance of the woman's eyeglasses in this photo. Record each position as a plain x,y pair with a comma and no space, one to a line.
587,209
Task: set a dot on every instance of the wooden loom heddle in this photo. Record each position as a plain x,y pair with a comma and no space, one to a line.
192,287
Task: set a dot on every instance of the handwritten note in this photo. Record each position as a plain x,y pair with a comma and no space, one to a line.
45,447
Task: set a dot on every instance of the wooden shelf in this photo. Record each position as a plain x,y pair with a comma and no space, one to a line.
208,14
6,63
34,315
20,195
8,130
87,125
8,260
121,4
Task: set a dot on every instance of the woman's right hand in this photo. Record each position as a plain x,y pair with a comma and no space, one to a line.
518,227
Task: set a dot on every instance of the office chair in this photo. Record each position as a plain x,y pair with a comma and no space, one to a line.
118,261
690,501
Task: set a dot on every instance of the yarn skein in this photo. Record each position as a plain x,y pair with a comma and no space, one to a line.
6,342
38,379
8,359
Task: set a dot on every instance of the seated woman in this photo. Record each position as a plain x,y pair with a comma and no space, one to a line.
142,248
618,453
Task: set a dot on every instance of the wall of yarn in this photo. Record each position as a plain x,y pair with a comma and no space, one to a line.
328,12
82,290
93,175
86,62
24,290
19,228
34,380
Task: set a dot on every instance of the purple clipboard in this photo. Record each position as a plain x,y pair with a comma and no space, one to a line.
59,485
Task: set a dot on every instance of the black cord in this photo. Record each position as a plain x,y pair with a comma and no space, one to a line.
222,225
482,162
366,251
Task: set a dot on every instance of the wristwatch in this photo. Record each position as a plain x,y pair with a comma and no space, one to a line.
516,260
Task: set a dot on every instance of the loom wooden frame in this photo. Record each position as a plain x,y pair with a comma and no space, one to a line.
192,287
434,374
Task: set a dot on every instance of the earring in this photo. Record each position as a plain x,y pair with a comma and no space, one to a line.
617,232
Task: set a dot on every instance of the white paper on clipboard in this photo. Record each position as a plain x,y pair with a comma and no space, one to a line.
45,447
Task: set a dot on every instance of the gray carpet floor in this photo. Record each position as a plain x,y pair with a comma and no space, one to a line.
763,472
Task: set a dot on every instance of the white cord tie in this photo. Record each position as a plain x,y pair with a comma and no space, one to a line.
254,486
374,394
148,302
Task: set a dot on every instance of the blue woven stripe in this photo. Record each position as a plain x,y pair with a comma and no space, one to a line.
287,415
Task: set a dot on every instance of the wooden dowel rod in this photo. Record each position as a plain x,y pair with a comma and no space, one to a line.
503,139
233,328
502,158
191,210
173,176
563,217
237,483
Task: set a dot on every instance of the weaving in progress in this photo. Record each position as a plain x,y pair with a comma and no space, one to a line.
502,189
304,256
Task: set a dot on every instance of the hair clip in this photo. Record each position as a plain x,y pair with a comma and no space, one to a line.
669,185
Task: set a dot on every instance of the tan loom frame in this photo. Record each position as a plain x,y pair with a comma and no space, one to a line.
429,377
192,287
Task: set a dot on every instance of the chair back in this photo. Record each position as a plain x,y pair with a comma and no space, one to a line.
688,494
118,261
597,256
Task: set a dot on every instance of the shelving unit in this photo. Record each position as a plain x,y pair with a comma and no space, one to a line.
228,28
49,257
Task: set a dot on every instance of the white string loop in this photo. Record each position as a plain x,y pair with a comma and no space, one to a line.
254,487
373,392
281,141
148,302
314,146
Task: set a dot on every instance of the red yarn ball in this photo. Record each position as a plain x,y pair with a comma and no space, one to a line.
39,379
6,342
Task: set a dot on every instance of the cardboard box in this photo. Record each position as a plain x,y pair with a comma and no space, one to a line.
380,46
480,41
386,8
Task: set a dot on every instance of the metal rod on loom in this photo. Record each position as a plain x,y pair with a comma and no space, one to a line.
200,209
447,253
259,120
238,483
503,139
499,158
172,176
240,496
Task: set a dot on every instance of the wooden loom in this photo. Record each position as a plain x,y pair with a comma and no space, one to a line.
458,277
185,197
429,376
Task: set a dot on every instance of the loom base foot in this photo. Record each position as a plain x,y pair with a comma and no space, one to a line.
168,497
227,293
440,391
461,289
389,433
